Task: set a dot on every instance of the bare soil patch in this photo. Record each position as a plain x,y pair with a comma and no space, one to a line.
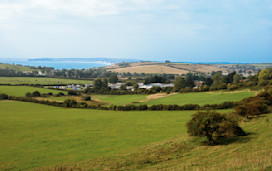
156,96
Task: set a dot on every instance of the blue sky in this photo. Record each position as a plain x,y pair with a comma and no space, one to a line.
179,30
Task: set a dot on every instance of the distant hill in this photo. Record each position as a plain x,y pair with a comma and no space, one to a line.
15,67
160,68
107,60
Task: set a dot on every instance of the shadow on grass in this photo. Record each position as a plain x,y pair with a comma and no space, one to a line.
239,139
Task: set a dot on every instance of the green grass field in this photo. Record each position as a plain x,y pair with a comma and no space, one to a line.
40,136
201,98
34,135
40,80
119,99
251,152
20,91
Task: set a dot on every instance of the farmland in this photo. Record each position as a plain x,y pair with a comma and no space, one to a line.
40,80
79,136
200,98
34,135
162,68
20,91
253,152
119,99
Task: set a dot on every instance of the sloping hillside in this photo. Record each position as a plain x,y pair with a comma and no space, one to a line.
160,68
15,67
252,152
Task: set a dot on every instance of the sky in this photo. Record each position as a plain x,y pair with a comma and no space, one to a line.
177,30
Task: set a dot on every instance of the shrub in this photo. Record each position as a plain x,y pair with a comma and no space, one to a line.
60,94
252,106
233,87
50,94
266,96
72,93
70,103
269,91
87,98
3,97
36,94
28,94
213,125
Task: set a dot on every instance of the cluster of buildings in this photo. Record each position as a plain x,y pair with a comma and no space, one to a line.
74,87
245,72
117,86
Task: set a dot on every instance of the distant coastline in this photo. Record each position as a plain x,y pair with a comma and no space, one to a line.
85,63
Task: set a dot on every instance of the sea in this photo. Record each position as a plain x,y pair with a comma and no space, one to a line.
57,64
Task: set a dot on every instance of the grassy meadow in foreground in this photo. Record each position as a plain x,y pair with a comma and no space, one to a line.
41,80
251,152
202,98
20,91
34,135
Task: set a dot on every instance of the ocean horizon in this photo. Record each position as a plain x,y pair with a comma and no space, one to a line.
57,64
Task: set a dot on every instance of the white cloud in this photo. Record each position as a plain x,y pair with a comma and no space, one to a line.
85,8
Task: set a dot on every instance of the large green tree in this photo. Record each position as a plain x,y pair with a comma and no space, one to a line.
179,83
237,78
265,77
113,78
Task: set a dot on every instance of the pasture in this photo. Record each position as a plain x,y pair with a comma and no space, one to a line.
202,98
251,152
119,100
34,135
20,91
41,80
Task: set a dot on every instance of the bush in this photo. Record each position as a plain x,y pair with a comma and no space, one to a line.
70,103
28,94
60,94
87,98
213,125
252,106
3,97
72,93
266,96
36,94
50,94
233,87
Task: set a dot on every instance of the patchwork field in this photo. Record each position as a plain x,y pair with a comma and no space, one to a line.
40,80
163,68
20,91
34,135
